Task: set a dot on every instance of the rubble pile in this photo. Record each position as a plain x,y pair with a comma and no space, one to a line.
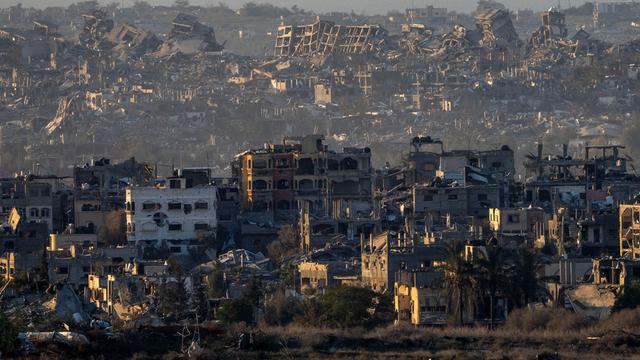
497,29
188,36
130,40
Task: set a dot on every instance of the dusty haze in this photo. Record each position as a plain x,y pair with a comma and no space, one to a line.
368,6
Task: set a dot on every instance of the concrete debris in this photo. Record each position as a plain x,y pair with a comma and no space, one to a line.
497,29
242,258
594,301
62,337
68,306
132,41
189,37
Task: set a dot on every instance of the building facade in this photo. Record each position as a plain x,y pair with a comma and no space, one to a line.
175,215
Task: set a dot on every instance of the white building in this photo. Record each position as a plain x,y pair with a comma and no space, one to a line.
177,215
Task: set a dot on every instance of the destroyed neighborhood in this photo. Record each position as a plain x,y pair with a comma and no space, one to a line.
196,182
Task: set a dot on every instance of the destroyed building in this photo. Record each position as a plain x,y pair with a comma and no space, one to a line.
96,27
427,158
189,36
133,40
376,211
178,215
553,34
309,173
22,245
388,252
322,275
524,225
497,29
100,189
325,37
419,297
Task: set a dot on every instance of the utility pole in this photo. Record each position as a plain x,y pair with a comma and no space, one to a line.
596,14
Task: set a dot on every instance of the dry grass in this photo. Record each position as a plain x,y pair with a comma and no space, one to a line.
525,334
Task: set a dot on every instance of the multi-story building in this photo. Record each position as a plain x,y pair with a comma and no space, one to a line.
279,181
99,189
177,215
36,198
598,235
391,251
428,159
630,231
420,297
281,178
72,265
22,245
457,201
517,225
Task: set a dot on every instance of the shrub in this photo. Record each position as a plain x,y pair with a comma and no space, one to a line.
281,309
548,319
8,334
235,310
347,307
310,312
172,298
285,245
629,299
624,319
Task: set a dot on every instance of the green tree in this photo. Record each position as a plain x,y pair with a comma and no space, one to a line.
8,335
198,299
352,307
235,310
281,309
310,312
175,268
113,231
215,284
524,278
459,280
492,276
172,298
285,245
254,291
629,299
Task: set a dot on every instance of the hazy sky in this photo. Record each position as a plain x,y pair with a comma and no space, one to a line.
369,6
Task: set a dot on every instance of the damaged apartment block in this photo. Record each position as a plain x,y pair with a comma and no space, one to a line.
301,176
325,37
497,29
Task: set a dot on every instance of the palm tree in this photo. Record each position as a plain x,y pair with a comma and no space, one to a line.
525,279
459,279
493,275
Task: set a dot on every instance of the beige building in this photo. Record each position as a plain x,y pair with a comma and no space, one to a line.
389,252
320,275
419,297
630,231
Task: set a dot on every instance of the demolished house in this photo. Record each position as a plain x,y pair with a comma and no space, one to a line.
497,29
189,36
132,40
552,35
326,37
96,27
